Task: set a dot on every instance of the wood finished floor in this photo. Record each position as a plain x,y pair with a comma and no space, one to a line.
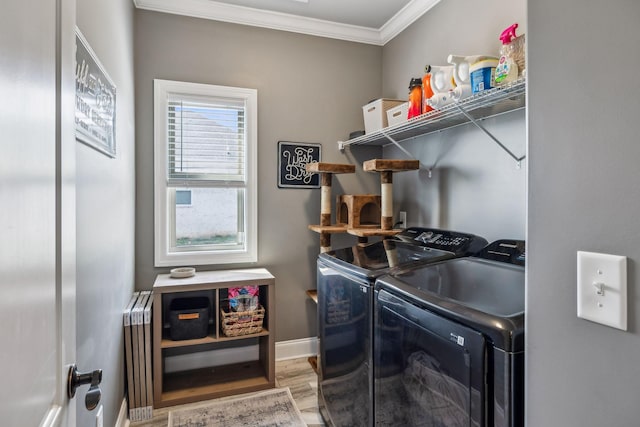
297,374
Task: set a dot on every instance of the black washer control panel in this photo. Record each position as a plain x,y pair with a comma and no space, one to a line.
509,251
446,240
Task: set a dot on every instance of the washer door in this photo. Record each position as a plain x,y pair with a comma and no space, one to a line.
428,371
344,348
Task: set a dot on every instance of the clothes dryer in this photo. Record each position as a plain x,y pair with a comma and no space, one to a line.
345,313
449,342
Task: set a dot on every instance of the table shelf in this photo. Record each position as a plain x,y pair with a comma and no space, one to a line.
210,383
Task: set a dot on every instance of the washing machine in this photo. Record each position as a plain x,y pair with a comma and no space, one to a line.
345,279
449,341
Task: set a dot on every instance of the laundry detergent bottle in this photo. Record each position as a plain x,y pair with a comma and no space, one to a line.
415,98
427,92
507,69
460,76
442,84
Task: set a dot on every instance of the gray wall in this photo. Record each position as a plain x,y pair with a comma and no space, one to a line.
310,89
105,213
582,189
474,186
584,194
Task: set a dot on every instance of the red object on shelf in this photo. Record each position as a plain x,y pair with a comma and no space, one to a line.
427,92
415,98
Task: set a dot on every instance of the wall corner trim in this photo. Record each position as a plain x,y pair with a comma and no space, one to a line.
123,419
405,17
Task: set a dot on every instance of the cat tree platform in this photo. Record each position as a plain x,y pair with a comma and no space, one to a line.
386,168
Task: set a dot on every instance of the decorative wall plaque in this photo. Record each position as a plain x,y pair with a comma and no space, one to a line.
292,159
95,101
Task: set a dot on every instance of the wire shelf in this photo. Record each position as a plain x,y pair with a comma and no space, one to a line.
490,103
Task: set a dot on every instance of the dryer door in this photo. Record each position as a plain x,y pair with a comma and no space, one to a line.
428,371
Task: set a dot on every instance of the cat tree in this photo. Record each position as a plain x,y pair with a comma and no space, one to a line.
354,212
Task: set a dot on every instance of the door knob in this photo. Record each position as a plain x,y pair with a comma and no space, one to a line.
76,379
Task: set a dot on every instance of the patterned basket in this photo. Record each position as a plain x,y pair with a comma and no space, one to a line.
236,323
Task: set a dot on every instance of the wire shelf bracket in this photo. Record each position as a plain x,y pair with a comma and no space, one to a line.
489,134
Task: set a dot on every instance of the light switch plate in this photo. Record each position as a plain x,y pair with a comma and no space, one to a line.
602,288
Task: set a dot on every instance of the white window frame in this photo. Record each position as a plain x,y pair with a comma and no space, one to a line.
162,206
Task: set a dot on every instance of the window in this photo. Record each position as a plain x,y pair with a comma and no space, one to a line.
205,140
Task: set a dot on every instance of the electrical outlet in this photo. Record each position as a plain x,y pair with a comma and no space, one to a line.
402,219
99,420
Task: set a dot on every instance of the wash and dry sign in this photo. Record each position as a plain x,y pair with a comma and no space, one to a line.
95,101
292,159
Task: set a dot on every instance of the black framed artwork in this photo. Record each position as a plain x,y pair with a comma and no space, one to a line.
292,159
95,101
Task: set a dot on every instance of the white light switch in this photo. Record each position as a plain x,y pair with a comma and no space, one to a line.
602,289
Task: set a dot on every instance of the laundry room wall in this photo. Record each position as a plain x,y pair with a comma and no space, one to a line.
466,181
310,89
583,195
105,201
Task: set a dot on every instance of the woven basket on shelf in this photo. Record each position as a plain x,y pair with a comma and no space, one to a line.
236,323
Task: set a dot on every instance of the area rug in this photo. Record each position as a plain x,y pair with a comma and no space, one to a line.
268,408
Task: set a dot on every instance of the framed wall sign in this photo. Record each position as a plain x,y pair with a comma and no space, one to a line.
95,101
292,159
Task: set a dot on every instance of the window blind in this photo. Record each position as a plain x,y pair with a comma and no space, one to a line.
206,141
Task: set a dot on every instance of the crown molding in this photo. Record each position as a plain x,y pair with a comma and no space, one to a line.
405,17
209,9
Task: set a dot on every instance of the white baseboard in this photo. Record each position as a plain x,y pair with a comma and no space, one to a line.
294,349
123,420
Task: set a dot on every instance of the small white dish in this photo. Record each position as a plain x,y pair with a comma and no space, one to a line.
182,272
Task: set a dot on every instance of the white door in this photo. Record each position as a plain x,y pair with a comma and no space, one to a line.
37,212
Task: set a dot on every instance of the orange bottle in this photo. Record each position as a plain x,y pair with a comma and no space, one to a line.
427,92
415,98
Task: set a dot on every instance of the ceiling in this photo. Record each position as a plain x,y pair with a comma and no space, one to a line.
364,13
365,21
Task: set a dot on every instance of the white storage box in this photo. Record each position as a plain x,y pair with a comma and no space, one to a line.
397,114
375,117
